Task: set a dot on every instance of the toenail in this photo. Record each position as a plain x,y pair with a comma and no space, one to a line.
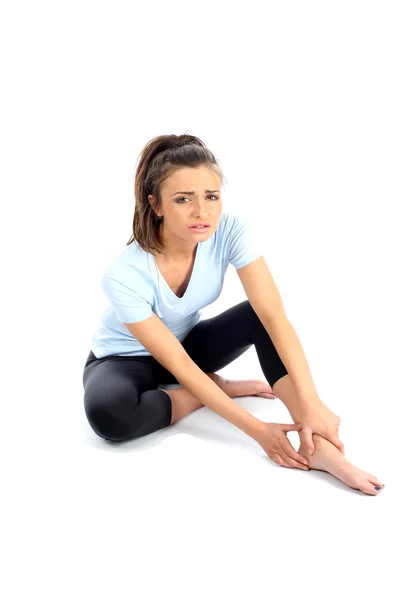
377,488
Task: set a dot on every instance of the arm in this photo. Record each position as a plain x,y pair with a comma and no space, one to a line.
266,301
169,352
290,350
202,387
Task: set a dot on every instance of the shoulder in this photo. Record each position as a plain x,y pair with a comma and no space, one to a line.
130,269
227,224
236,226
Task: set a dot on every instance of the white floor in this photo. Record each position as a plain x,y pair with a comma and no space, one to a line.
299,102
195,510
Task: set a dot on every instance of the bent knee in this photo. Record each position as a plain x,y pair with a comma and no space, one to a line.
107,423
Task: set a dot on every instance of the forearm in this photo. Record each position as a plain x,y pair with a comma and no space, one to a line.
202,387
289,348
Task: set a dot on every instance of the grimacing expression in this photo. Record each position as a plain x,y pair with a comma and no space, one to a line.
191,195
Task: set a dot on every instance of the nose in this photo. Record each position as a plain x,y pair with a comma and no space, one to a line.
200,210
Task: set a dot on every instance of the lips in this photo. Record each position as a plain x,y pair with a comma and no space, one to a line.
199,224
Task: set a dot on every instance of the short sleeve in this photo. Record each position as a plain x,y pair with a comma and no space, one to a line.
243,247
128,304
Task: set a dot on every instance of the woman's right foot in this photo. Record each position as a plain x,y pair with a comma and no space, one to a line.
328,458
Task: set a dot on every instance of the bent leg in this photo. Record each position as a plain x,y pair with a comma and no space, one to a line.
216,342
182,403
122,401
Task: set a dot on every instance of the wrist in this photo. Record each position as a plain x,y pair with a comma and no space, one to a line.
258,430
309,400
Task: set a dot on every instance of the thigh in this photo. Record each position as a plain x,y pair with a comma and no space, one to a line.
139,372
121,398
116,383
214,343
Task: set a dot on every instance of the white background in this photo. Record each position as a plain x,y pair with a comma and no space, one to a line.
300,102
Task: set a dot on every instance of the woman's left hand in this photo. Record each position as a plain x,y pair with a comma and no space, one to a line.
316,417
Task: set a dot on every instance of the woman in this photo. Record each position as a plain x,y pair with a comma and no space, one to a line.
174,265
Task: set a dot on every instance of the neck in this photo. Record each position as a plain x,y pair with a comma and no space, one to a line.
176,255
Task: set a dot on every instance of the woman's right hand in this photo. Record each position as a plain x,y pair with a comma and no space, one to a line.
273,439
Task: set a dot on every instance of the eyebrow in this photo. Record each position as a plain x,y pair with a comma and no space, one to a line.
192,193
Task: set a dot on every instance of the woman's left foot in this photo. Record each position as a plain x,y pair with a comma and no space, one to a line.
244,387
328,458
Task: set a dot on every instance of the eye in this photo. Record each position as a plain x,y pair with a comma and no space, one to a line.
184,198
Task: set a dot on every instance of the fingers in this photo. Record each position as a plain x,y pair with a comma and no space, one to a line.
276,458
336,442
291,453
294,463
307,438
291,427
288,462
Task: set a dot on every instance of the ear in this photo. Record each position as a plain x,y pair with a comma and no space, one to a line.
151,201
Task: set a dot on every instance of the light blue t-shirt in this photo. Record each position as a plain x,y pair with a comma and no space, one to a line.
135,287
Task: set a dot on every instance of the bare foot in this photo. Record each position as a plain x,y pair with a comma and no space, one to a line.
328,458
242,387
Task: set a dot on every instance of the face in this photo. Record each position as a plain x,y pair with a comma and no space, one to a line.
182,209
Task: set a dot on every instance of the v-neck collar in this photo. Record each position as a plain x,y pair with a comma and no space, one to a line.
171,293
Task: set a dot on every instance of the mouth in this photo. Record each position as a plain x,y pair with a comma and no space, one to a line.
200,227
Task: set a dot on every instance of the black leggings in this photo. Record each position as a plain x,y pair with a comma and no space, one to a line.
121,398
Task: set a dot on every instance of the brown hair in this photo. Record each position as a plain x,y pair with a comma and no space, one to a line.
160,157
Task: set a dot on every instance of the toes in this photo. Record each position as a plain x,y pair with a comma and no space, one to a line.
376,483
369,488
263,387
374,480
